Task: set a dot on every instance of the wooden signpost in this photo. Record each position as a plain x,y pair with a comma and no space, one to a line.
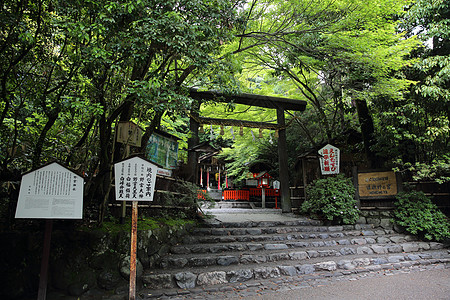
50,192
134,181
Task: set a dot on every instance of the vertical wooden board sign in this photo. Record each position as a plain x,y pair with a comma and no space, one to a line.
135,180
329,160
50,192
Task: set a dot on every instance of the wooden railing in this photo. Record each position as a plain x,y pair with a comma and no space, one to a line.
243,195
236,195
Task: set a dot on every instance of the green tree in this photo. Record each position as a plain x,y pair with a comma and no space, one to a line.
339,56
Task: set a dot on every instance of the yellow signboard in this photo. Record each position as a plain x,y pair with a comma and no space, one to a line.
377,184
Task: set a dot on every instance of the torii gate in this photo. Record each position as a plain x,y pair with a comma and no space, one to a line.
280,104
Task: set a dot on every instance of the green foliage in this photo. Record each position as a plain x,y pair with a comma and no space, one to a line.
438,170
419,216
332,199
185,194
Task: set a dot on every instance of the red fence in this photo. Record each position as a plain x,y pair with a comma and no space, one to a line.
243,194
236,195
269,192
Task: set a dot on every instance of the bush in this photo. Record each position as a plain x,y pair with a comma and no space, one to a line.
419,216
332,199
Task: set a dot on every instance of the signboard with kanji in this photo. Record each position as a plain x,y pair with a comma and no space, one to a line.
163,149
129,133
329,160
377,184
50,192
135,179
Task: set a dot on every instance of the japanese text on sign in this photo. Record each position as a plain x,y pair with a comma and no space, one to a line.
377,184
135,180
51,192
329,160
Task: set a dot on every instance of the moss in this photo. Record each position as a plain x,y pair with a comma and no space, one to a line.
143,224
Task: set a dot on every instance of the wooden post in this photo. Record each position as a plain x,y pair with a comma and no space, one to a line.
263,192
192,142
124,203
42,293
305,179
355,183
133,251
286,205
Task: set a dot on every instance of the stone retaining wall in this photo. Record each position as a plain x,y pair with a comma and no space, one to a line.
79,260
377,217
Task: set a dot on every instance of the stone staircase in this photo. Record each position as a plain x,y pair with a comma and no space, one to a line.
229,253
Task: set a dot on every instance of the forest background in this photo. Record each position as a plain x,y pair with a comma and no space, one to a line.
71,70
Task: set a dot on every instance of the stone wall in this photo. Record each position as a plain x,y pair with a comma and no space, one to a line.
377,217
79,260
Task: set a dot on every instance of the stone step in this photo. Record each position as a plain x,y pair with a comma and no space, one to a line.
274,242
200,277
277,229
280,252
248,224
381,235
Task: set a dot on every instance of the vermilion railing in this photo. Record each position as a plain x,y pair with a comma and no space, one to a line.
236,195
269,192
243,194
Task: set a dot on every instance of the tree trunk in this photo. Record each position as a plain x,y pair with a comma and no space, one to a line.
367,131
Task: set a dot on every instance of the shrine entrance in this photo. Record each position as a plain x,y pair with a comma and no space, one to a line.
278,103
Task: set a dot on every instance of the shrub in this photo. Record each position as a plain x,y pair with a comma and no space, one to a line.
419,216
332,199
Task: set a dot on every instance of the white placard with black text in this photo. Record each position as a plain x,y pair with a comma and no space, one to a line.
50,192
135,179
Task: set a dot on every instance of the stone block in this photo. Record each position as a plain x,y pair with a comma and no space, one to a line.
383,240
358,241
361,220
368,233
247,258
347,251
364,250
312,253
343,242
275,246
394,248
254,231
255,247
211,278
335,228
227,260
299,255
305,269
379,249
157,281
266,272
287,270
386,223
239,275
326,266
360,262
395,258
410,247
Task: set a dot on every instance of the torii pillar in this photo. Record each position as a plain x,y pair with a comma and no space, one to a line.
286,205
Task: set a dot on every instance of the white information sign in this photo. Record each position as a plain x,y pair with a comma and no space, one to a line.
135,179
329,160
51,192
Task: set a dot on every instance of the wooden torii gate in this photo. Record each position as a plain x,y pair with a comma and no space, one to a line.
280,104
